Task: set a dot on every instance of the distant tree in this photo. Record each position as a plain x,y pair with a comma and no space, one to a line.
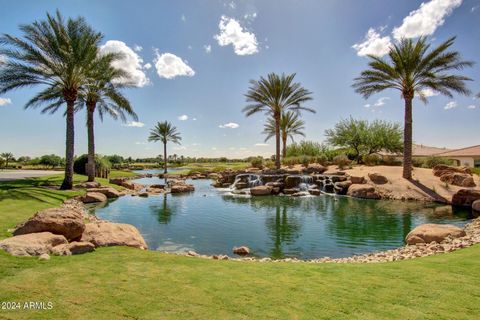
24,159
115,160
365,138
165,132
412,68
290,126
51,160
7,157
273,96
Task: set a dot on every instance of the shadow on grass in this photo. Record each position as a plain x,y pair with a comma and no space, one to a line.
34,188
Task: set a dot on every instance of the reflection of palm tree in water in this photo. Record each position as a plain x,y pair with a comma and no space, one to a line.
283,229
165,212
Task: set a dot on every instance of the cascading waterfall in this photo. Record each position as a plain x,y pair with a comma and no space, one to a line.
252,180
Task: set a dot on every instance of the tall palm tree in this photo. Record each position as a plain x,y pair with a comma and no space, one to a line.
7,156
102,93
55,54
165,132
413,68
290,126
274,95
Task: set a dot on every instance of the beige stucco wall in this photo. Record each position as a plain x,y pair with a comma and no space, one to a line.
465,161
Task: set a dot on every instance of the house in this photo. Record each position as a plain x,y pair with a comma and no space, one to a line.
420,150
469,157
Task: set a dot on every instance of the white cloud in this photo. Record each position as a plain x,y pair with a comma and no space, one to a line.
131,62
450,105
380,102
179,148
474,9
194,119
137,48
373,44
472,106
134,124
147,66
183,117
140,143
429,93
425,20
230,125
261,144
170,66
231,5
231,32
183,18
208,48
250,16
190,47
5,101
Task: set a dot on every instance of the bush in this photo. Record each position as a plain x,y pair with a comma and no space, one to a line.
431,162
269,164
51,160
101,163
257,162
341,161
391,161
371,159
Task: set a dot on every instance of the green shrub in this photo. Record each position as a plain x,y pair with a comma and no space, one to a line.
101,163
391,161
269,164
431,162
257,162
371,159
341,161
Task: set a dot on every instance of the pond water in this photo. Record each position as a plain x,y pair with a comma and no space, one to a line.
212,221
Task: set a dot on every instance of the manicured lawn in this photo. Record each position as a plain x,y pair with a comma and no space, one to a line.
211,167
119,283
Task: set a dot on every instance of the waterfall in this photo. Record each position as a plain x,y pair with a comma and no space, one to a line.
251,180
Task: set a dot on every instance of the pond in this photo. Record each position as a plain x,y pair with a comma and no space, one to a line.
212,221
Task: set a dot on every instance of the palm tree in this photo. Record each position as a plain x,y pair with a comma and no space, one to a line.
102,93
275,95
412,68
165,132
290,126
7,156
55,54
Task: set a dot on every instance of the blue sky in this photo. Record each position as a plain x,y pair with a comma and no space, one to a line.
196,59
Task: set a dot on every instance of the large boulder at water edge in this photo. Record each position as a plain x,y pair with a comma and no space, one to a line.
377,178
363,191
458,179
92,197
104,234
108,191
181,188
243,250
76,247
342,187
293,181
427,233
32,244
465,197
261,191
63,221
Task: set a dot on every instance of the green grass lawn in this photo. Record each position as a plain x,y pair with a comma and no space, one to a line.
211,167
126,283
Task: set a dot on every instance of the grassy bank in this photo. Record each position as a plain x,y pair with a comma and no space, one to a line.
130,283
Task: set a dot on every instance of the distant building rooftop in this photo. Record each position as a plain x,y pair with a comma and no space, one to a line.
420,150
473,151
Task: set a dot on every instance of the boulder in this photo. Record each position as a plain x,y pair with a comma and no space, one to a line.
261,191
377,178
132,185
241,185
291,190
89,184
315,168
181,188
458,179
108,191
465,197
62,221
430,232
32,244
76,247
92,197
314,192
104,234
363,191
441,169
143,194
476,205
243,250
342,187
157,186
358,180
44,257
292,181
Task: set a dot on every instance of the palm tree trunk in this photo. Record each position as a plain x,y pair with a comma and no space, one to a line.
277,140
91,143
407,140
67,183
165,157
284,147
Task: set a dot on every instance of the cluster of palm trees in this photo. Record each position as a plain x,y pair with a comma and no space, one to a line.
411,67
63,58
